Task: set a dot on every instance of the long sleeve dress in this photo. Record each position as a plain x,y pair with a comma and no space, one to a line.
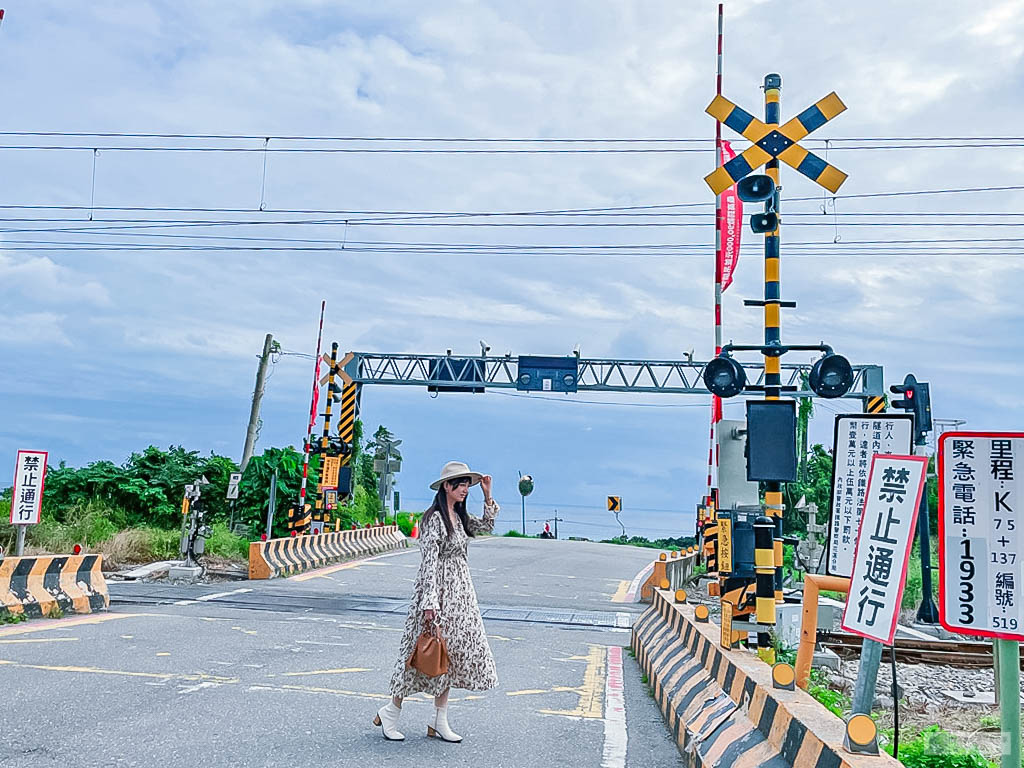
443,584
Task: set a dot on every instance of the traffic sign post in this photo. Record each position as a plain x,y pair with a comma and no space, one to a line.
885,536
525,489
233,482
857,438
884,539
981,546
27,493
615,507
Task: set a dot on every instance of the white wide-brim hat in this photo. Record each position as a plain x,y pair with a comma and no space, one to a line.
454,469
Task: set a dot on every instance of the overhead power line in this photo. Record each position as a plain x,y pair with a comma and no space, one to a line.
665,207
464,151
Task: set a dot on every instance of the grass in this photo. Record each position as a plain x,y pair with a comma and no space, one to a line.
936,748
224,543
513,534
990,723
6,617
90,526
836,702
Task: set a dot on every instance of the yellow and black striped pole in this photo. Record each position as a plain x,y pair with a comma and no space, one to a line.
320,515
764,570
347,428
772,375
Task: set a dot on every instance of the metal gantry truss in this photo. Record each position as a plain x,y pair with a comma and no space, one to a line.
675,377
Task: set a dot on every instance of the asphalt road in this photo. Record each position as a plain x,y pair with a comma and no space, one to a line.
289,672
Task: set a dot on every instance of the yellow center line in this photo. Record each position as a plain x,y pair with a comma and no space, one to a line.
620,593
591,693
325,672
554,689
74,622
123,672
322,573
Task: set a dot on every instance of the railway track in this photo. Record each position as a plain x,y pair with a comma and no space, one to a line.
950,653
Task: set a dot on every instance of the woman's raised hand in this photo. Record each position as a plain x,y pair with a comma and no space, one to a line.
485,486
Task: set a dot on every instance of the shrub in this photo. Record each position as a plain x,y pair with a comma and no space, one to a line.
406,520
936,748
224,543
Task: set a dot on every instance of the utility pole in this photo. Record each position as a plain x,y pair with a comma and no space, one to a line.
257,397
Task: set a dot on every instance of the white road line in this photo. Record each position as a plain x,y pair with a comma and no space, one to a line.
218,595
635,585
185,602
614,755
623,619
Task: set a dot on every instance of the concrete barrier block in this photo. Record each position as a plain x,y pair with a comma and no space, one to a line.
721,706
285,557
39,586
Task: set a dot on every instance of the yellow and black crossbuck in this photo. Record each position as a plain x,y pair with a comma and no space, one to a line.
771,141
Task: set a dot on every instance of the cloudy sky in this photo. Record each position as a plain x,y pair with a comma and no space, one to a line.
146,330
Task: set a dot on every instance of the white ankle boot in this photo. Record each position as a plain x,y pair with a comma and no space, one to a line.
387,719
440,727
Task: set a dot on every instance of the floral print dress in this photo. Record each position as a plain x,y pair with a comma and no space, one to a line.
443,584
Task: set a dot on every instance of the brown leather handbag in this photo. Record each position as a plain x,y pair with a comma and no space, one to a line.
430,656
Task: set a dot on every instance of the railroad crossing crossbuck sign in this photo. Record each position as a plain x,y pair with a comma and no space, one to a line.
770,141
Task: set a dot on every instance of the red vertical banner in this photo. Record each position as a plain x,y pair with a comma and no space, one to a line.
730,222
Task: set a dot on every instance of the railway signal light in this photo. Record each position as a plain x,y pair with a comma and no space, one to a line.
724,376
916,400
831,376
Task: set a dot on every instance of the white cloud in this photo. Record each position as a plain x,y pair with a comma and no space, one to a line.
184,327
43,282
33,330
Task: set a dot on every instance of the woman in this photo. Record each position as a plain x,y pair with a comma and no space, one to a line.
444,595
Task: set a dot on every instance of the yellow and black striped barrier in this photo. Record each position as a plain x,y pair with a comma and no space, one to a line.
722,707
46,585
284,557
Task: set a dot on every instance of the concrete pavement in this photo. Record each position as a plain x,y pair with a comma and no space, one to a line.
290,672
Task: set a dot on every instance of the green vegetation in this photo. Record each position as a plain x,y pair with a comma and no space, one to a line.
936,748
990,723
131,512
836,702
6,617
514,534
677,543
406,520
